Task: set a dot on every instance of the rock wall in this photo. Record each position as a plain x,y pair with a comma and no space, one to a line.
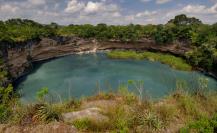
21,57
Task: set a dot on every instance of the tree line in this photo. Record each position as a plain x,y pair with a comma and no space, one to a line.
189,31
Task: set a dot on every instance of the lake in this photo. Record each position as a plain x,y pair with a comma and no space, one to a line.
76,76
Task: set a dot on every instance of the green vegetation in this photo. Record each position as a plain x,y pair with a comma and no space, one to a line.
180,111
130,113
203,125
175,62
182,30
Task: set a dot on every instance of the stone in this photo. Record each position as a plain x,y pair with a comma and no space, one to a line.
89,113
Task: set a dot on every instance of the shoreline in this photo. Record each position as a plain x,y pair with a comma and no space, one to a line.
16,81
48,48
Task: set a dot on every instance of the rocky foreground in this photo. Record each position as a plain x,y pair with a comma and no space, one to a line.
119,112
92,110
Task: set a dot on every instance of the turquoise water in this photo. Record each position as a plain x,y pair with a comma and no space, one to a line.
85,75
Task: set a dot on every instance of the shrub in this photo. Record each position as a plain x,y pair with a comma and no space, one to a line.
40,95
6,94
119,117
203,125
46,113
152,121
146,119
4,113
129,97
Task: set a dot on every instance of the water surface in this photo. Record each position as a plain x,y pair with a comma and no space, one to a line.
85,75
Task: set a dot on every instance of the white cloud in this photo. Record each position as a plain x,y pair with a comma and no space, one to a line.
93,7
204,13
162,1
74,6
8,8
145,0
37,2
200,9
101,11
157,1
146,13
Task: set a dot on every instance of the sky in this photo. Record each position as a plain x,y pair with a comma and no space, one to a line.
115,12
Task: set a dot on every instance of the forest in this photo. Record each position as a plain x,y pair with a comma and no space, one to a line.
188,31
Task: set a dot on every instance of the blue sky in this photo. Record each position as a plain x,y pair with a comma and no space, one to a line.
118,12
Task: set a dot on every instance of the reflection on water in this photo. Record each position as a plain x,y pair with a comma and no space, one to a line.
85,75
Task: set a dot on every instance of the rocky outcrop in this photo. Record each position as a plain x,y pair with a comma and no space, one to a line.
89,113
21,57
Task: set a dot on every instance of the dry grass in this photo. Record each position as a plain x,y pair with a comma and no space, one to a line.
127,114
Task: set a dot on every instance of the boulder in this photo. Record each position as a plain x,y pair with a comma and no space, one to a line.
89,113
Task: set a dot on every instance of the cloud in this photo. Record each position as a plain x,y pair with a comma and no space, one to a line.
93,7
157,1
101,11
200,9
162,1
146,13
145,0
8,8
204,13
74,6
37,2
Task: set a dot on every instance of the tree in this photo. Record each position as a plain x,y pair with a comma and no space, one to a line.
163,35
182,19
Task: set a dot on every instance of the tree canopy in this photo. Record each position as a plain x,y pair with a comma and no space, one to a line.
189,30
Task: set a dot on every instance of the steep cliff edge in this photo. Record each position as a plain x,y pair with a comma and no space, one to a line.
21,57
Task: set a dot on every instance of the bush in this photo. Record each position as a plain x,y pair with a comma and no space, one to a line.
4,113
129,97
40,95
46,113
6,94
119,118
188,106
203,125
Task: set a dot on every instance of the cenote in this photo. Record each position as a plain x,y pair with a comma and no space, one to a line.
76,76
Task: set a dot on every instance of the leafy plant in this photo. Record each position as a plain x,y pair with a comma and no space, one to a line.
46,113
129,97
203,125
152,121
40,95
4,113
6,94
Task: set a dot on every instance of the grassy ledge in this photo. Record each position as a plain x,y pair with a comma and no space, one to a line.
174,62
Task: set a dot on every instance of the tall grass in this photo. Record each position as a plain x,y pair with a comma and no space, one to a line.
173,61
129,113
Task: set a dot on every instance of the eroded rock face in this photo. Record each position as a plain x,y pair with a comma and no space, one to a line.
90,113
21,56
55,127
